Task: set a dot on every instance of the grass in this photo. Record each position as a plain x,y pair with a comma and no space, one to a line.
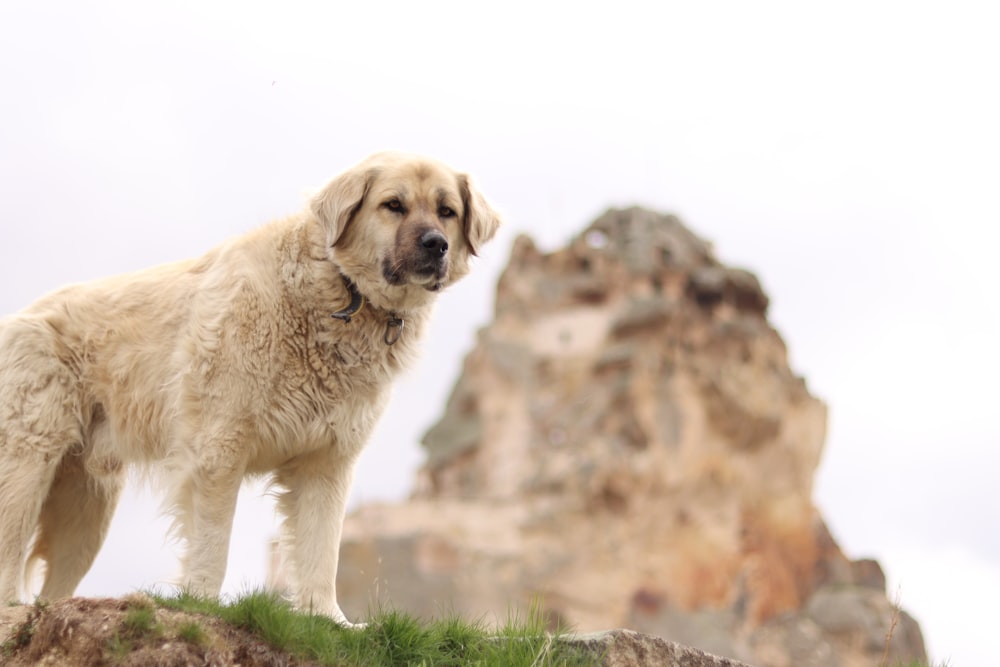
390,638
192,633
140,621
138,624
22,636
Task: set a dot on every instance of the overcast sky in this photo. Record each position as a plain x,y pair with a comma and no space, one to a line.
849,155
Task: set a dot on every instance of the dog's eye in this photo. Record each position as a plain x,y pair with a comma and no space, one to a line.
446,212
394,205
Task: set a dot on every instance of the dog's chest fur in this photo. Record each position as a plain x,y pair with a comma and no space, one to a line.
310,381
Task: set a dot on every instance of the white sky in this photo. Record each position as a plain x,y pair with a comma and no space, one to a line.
848,153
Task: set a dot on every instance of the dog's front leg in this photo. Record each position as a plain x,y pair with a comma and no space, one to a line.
313,504
206,504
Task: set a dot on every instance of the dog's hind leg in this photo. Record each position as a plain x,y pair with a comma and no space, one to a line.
39,424
24,479
74,521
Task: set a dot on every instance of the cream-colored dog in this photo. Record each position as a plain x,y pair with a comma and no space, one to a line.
272,354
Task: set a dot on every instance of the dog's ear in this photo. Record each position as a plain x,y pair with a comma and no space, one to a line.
481,221
337,202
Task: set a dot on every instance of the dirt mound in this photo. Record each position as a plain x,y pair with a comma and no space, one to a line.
135,631
128,631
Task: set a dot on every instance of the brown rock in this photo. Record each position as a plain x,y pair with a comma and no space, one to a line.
867,572
624,648
628,444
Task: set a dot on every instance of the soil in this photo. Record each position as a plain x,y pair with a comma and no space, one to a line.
83,632
79,632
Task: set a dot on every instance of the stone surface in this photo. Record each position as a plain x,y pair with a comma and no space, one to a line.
625,648
627,445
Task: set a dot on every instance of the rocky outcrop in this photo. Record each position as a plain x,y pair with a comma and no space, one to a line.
625,648
628,445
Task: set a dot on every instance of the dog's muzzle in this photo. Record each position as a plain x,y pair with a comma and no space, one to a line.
425,262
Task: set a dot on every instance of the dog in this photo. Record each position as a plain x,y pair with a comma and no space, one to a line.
273,354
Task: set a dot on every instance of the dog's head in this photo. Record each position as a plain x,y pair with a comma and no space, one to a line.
401,225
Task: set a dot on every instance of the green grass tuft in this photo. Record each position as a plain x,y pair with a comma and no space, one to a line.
192,633
118,648
140,622
22,636
390,638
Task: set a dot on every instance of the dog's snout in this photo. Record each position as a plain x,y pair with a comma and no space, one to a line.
434,241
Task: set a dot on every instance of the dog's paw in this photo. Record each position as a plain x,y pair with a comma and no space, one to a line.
331,610
342,621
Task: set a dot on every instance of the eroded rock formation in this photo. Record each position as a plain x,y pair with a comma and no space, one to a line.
628,445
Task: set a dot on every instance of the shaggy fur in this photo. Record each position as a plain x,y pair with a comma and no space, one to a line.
211,370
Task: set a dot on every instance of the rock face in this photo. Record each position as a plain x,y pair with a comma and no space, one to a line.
628,446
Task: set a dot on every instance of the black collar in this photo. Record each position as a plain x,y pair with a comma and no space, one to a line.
393,326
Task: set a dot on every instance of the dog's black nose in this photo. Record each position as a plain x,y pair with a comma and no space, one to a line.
434,241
